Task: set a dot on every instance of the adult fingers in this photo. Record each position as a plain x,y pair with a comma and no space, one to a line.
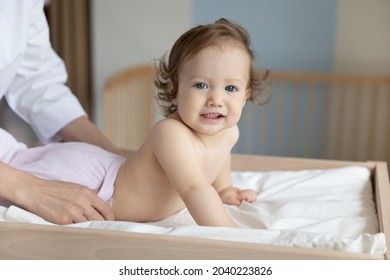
101,210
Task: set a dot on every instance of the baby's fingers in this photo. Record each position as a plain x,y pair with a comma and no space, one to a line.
248,196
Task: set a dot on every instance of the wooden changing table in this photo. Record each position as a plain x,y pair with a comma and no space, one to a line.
29,241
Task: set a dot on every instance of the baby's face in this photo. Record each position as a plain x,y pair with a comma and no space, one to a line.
213,88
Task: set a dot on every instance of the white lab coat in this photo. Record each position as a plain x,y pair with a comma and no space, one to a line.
32,76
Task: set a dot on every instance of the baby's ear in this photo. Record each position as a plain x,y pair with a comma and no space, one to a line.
248,94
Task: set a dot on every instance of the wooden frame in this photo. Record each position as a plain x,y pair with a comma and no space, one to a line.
29,241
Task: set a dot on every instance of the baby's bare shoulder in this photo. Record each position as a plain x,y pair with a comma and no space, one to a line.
169,133
170,128
169,123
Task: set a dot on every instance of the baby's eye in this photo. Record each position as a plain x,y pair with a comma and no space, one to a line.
230,88
200,85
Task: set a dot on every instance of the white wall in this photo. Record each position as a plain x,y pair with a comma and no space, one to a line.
363,37
126,33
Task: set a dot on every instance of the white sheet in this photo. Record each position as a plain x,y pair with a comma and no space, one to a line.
328,209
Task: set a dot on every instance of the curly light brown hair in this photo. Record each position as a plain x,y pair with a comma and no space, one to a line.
192,42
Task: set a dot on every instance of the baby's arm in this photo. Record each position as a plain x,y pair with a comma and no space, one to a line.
177,155
228,193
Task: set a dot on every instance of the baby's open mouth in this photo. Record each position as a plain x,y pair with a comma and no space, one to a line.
213,116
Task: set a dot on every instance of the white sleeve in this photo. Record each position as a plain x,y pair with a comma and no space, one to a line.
38,93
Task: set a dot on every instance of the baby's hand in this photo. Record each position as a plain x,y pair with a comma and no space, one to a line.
234,196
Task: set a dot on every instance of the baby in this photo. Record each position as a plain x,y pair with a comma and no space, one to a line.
186,159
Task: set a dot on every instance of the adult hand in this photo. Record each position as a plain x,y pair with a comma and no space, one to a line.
65,203
55,201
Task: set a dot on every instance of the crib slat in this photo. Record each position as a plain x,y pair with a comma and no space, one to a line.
373,116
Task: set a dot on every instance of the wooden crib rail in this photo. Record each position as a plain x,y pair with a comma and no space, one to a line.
330,78
319,115
128,106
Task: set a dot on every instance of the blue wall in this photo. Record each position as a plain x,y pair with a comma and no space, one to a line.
286,34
